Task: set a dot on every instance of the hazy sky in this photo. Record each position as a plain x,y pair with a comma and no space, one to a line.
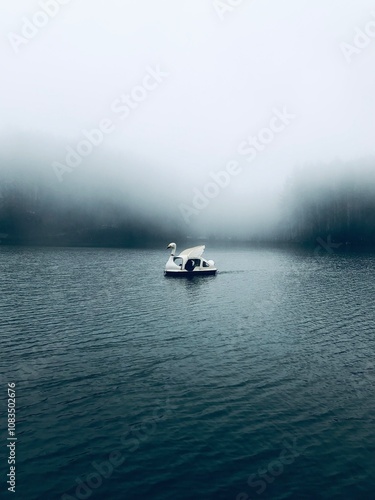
224,72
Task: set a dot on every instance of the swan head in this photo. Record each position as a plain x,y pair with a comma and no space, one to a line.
173,246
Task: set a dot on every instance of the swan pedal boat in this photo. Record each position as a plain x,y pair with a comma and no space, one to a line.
189,263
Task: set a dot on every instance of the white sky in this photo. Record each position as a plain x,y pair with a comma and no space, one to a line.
225,77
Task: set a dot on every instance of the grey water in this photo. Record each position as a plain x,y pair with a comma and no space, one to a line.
255,383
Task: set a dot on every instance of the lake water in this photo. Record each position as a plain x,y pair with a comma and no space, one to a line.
255,383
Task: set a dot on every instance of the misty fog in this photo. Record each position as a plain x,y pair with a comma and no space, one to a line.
129,123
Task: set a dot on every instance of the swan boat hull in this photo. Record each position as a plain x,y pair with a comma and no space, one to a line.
189,274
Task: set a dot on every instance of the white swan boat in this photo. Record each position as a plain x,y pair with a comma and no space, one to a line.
189,262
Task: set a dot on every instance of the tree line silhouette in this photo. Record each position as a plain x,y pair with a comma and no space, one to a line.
336,200
318,201
33,212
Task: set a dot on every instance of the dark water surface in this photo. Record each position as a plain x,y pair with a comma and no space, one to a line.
256,383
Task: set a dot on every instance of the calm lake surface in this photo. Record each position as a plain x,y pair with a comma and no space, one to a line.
255,383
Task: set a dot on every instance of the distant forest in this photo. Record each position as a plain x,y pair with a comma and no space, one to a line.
36,212
317,201
336,201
